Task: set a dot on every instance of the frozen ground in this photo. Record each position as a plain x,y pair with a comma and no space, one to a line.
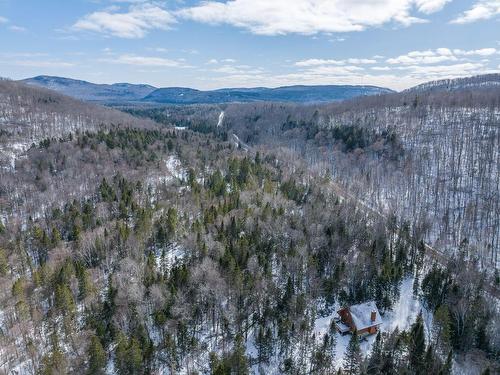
402,316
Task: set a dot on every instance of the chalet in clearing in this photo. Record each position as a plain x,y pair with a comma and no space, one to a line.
364,319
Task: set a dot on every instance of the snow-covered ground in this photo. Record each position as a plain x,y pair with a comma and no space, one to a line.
405,310
402,316
173,170
166,258
221,119
11,152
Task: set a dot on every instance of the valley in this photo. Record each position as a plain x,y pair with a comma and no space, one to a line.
223,238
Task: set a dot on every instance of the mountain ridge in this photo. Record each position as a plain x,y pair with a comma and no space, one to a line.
126,92
89,91
463,83
123,92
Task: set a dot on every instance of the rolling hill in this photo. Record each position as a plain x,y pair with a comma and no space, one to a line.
83,90
126,93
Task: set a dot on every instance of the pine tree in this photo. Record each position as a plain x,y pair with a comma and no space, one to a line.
217,367
121,354
375,361
134,357
441,328
64,300
239,360
85,286
323,354
430,364
96,356
54,362
352,359
417,345
264,344
447,367
128,356
3,261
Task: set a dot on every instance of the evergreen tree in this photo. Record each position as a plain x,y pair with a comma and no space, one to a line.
447,367
134,357
417,345
64,300
3,261
323,355
352,358
128,356
239,360
96,356
441,328
264,343
218,367
430,365
375,361
85,287
54,362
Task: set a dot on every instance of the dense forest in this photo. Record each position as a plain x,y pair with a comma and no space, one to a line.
138,246
430,157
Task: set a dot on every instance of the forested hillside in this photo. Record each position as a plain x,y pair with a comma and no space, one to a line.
129,246
432,157
122,93
93,92
484,81
30,114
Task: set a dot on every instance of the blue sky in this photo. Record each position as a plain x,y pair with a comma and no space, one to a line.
242,43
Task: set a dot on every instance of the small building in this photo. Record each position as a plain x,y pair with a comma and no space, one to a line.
364,319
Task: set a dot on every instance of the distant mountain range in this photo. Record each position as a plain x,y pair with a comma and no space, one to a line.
125,92
297,94
477,82
138,93
83,90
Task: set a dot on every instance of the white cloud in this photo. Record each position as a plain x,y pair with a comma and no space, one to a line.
400,72
440,71
337,39
237,70
309,16
33,60
145,61
438,55
477,52
42,63
421,57
3,20
430,6
481,10
318,62
17,28
226,61
134,23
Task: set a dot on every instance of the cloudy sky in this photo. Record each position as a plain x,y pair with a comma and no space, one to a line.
234,43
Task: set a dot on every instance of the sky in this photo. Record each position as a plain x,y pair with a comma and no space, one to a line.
248,43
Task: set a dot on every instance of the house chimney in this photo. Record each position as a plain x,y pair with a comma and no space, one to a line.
374,316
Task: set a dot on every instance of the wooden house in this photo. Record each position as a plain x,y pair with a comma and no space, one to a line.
364,319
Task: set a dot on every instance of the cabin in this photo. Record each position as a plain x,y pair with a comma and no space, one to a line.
364,319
